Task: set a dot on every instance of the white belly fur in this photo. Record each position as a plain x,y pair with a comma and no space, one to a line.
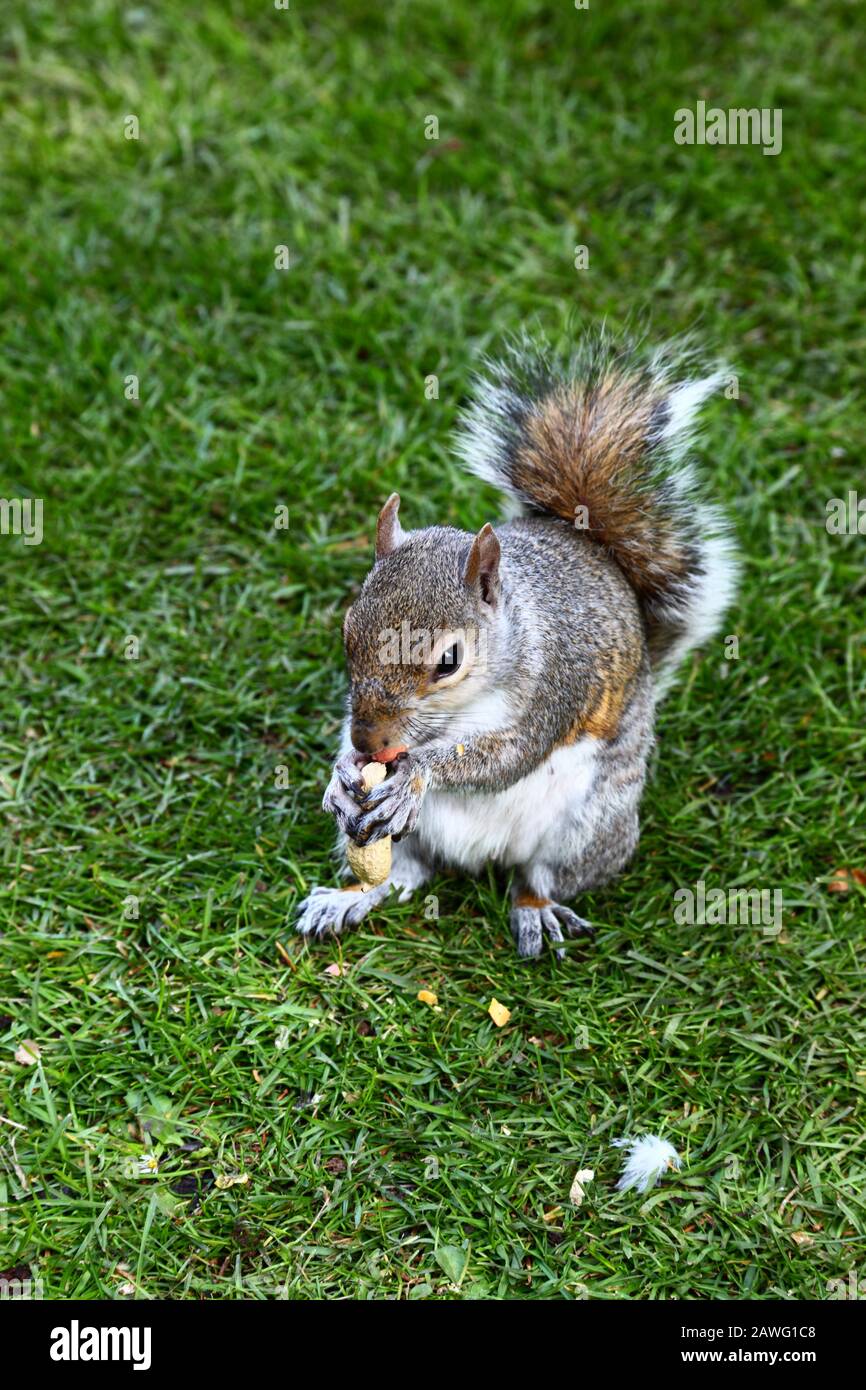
467,829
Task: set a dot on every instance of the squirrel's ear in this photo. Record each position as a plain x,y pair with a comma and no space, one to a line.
389,532
481,571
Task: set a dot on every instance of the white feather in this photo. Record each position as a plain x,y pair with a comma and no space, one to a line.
648,1159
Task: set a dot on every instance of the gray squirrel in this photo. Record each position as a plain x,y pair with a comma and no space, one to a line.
511,677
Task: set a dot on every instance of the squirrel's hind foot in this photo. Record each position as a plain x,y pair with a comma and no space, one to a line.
533,918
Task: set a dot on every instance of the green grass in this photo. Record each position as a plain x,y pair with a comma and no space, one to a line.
203,1029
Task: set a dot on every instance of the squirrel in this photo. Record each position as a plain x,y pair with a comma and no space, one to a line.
512,676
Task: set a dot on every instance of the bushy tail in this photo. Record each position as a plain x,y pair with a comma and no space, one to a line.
600,439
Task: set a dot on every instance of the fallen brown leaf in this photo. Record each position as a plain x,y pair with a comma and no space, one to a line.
842,879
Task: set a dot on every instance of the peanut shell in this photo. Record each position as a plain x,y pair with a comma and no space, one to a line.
371,863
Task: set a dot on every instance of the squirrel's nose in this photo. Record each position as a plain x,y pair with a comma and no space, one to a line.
370,738
361,738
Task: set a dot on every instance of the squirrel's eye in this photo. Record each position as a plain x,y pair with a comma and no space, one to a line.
448,663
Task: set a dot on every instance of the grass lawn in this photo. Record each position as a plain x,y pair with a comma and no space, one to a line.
167,649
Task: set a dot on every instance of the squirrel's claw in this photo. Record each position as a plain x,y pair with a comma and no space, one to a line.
347,770
344,794
328,911
337,803
529,926
574,925
382,821
392,808
381,793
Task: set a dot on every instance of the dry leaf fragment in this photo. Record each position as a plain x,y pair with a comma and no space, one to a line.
577,1191
335,968
27,1053
225,1180
426,996
842,878
802,1238
498,1013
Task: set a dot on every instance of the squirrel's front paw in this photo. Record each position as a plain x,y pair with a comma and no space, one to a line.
346,792
328,911
392,808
